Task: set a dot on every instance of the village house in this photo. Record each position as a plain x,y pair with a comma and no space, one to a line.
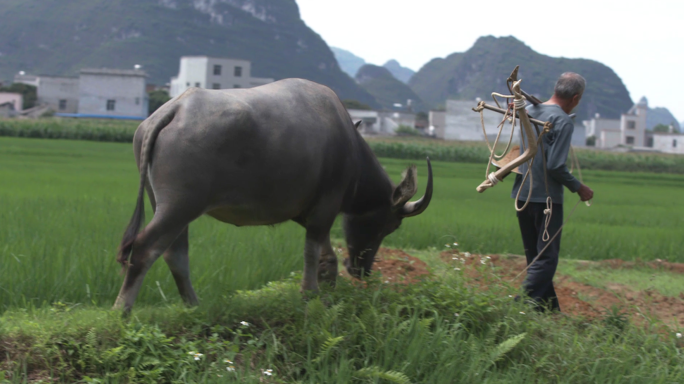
382,123
59,93
97,92
10,104
629,130
112,93
667,142
214,73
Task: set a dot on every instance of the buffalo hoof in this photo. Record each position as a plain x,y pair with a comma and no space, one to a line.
327,273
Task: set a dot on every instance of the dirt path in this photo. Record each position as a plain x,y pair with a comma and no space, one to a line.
576,299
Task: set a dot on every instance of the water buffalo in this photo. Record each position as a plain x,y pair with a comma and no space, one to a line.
261,156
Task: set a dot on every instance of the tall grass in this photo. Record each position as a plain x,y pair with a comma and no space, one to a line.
472,153
65,205
430,332
398,148
70,128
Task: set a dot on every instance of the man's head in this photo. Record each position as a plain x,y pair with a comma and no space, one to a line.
569,89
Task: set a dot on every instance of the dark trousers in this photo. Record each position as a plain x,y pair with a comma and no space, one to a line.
539,281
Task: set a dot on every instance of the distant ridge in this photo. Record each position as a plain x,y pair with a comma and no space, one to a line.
61,37
349,62
386,89
484,67
402,74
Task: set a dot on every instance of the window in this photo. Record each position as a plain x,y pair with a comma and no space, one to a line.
649,142
187,84
216,86
631,124
237,86
238,72
674,143
630,139
197,84
137,101
217,70
111,104
62,104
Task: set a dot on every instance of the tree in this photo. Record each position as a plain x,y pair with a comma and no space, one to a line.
355,104
157,99
663,128
28,92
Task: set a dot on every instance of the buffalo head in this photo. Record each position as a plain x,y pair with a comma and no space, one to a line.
365,232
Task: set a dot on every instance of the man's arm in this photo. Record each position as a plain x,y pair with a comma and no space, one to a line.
557,155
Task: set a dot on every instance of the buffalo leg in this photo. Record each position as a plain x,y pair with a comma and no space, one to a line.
176,258
312,252
327,264
156,238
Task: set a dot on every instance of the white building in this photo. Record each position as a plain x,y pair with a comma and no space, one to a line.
437,123
382,123
15,100
23,78
669,142
214,73
629,130
462,124
633,125
59,93
113,93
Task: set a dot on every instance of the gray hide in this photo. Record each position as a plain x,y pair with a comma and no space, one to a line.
284,151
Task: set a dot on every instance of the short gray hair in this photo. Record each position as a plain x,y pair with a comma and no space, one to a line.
568,85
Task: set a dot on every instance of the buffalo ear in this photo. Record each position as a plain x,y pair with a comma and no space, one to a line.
407,188
357,124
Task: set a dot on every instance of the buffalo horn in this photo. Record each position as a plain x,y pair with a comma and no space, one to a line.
417,207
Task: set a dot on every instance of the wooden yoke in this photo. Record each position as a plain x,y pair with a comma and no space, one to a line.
529,153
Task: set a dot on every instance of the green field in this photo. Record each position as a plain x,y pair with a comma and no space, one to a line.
64,205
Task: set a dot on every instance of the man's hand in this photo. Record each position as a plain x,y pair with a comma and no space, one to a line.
585,193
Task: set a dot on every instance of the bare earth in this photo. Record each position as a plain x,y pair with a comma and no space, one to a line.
576,299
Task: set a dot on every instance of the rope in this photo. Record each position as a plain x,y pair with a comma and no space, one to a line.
573,161
530,163
480,109
493,179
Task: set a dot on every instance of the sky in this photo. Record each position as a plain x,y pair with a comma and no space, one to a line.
643,42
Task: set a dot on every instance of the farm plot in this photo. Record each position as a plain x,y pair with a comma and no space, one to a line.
65,204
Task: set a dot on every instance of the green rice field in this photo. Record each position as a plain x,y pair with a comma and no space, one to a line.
64,205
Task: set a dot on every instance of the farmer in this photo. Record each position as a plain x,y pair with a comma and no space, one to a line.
556,145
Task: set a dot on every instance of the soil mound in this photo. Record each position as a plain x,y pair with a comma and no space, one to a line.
576,299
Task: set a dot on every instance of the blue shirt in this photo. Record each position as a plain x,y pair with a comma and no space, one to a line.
556,148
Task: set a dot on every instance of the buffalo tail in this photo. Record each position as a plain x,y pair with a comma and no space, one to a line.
161,119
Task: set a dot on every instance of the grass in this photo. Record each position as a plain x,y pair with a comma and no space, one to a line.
413,148
67,203
636,278
381,334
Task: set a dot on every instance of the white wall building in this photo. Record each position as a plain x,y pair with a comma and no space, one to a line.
461,123
382,123
669,142
605,131
113,92
437,123
629,130
16,100
59,93
214,73
633,125
23,78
